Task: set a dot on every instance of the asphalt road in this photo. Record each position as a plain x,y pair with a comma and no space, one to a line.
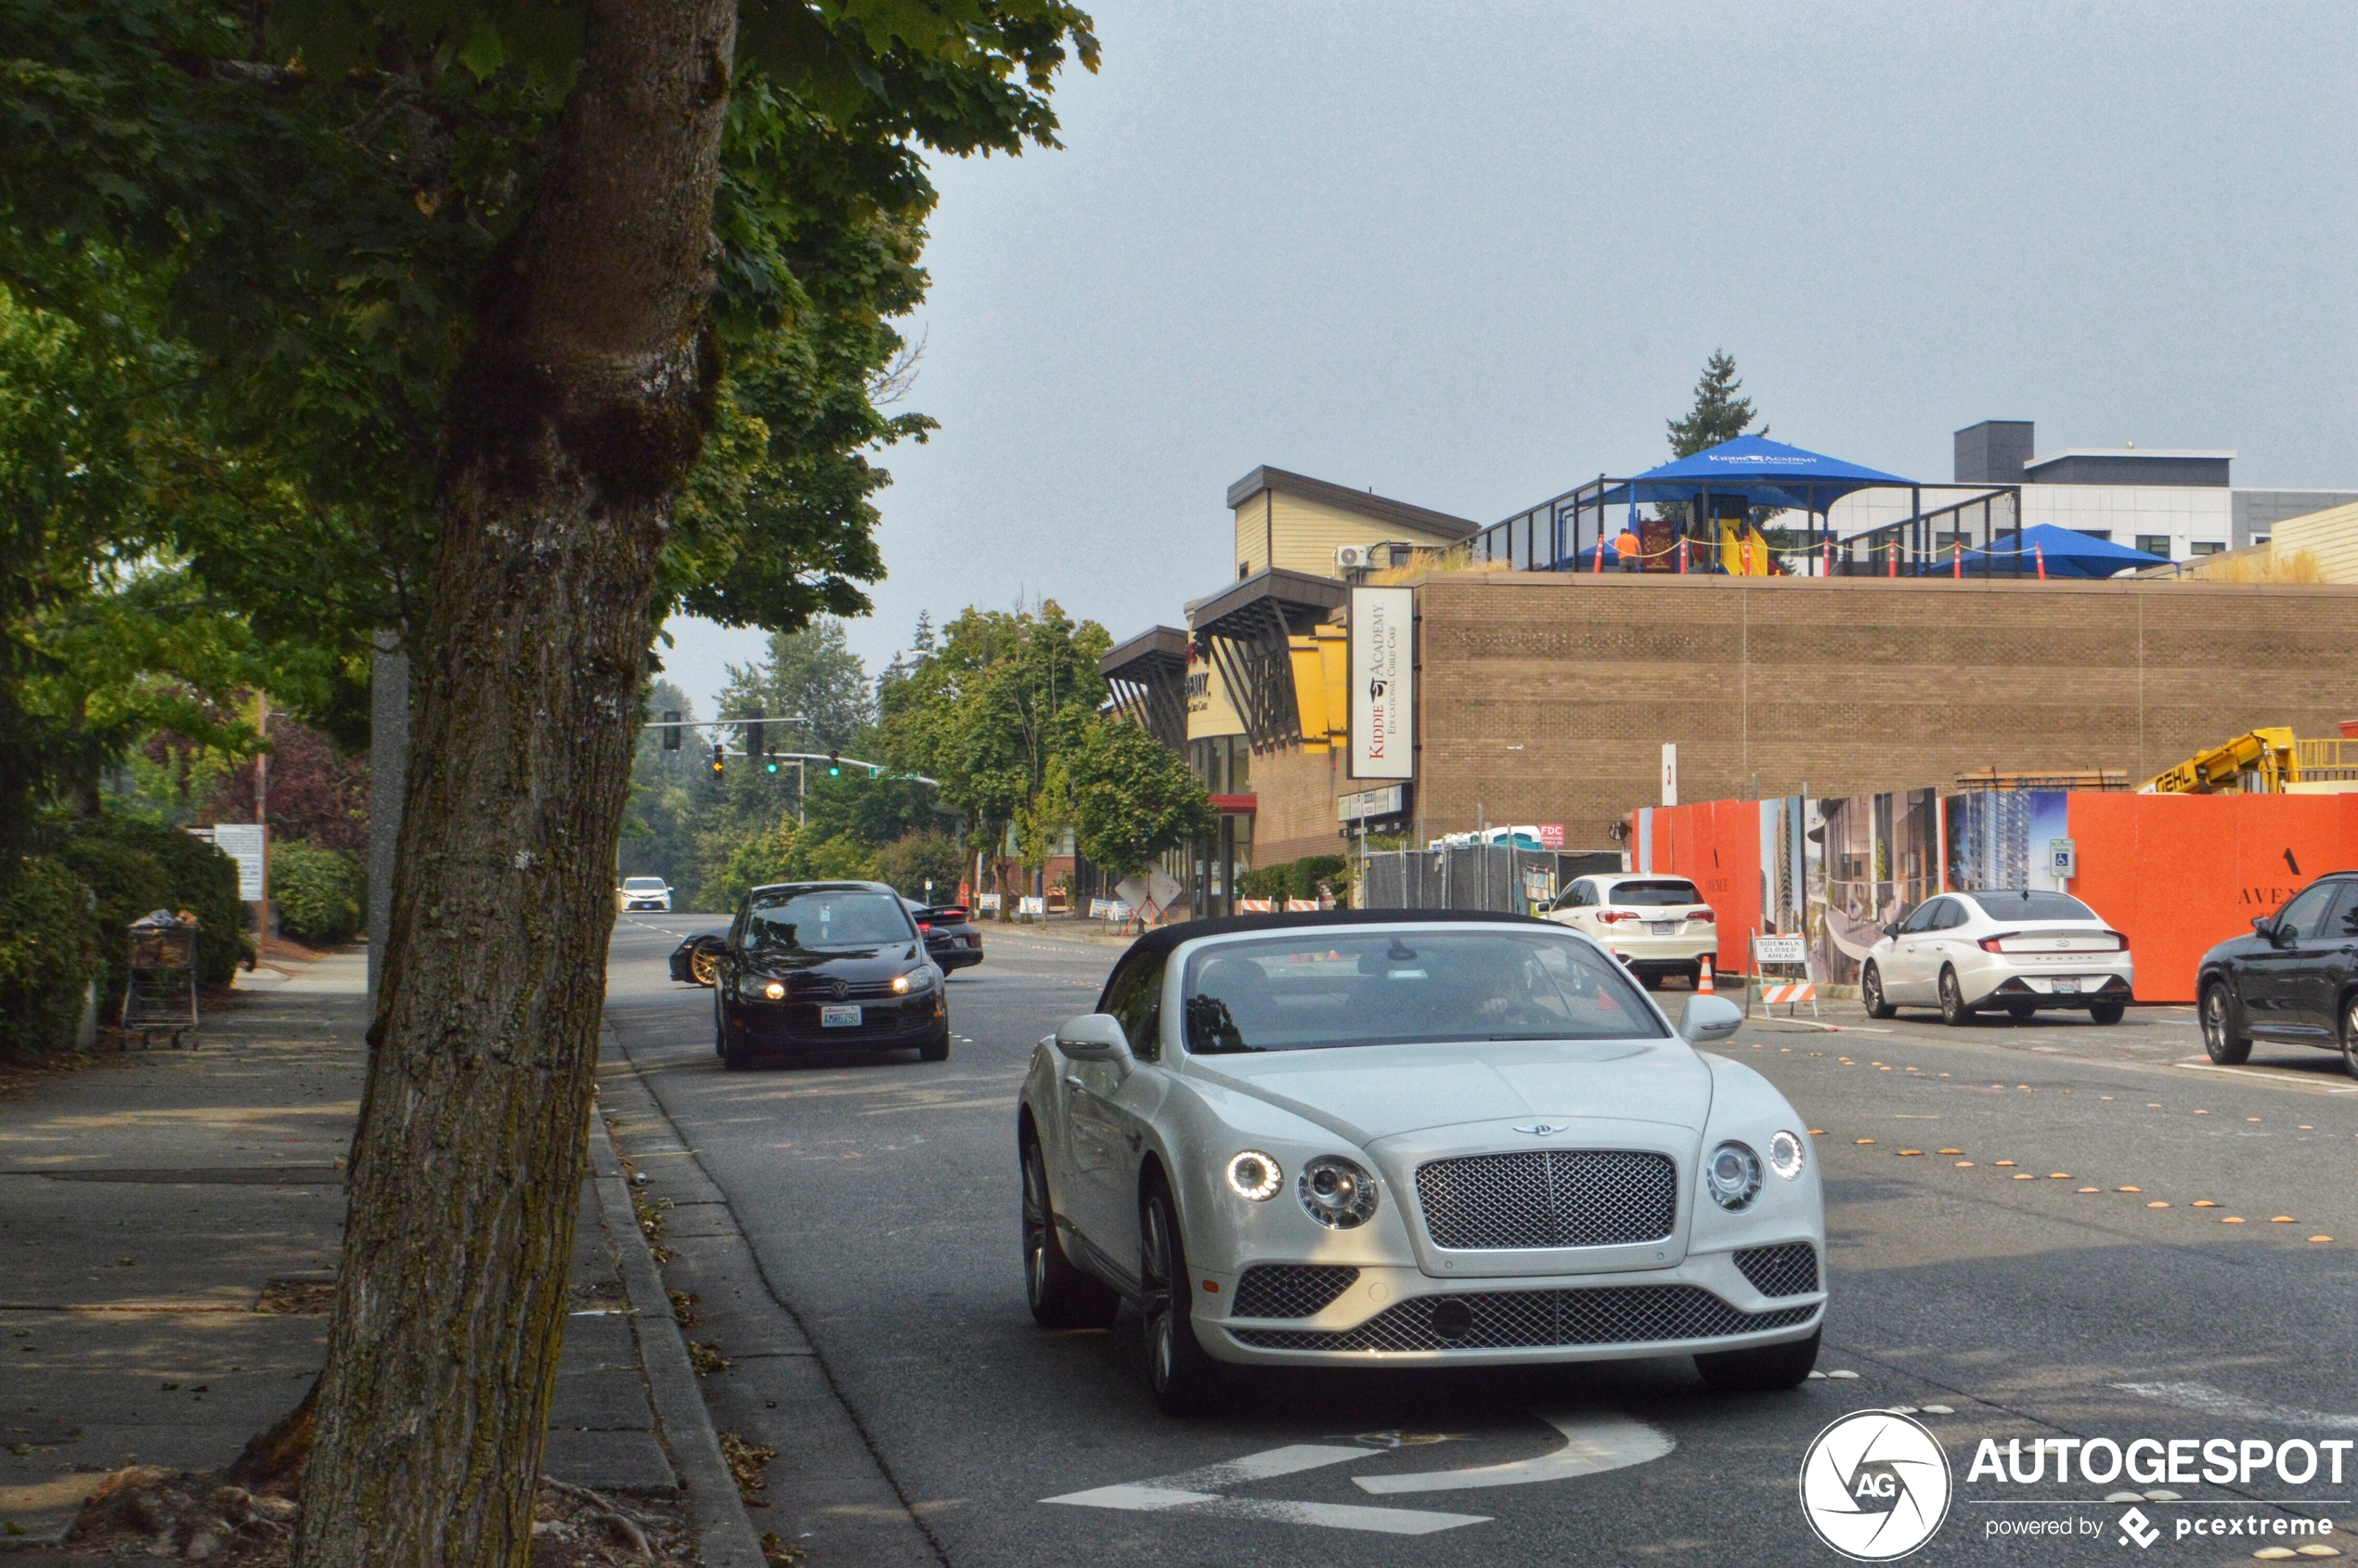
1971,1267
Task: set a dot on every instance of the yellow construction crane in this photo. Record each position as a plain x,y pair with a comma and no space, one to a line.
2261,763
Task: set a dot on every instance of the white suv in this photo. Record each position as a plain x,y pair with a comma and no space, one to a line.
1657,925
643,893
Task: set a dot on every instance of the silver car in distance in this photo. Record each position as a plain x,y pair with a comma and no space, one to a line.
1413,1139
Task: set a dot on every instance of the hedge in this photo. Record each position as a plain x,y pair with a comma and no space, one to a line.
49,953
134,867
1294,879
322,894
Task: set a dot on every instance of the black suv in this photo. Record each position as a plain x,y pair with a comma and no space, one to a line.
2294,980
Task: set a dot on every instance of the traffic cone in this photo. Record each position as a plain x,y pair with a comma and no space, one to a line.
1703,977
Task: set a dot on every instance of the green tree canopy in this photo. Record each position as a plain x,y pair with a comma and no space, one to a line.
1134,798
1720,414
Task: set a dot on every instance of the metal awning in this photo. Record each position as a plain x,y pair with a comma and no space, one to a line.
1147,677
1244,630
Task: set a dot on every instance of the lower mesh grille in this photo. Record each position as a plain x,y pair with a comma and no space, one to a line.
1789,1270
1290,1289
1516,1319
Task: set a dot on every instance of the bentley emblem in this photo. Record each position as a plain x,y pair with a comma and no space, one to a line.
1546,1129
838,989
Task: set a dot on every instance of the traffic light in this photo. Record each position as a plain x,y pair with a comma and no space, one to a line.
720,760
834,764
671,729
753,734
770,764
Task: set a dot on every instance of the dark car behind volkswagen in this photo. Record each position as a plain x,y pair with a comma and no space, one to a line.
811,966
2293,981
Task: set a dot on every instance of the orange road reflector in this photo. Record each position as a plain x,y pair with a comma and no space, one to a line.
2205,1204
2003,1163
2321,1238
2025,1176
1952,1152
2059,1176
2130,1189
1964,1164
1905,1152
2283,1220
1866,1140
1817,1132
2157,1205
2232,1220
2091,1190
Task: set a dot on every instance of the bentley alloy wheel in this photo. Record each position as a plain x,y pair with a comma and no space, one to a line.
1185,1380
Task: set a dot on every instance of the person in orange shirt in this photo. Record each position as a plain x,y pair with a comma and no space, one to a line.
1628,548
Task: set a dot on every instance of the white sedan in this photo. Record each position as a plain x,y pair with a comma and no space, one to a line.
2019,950
1366,1138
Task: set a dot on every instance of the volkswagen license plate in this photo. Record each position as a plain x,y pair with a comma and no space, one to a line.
2067,985
1662,927
840,1018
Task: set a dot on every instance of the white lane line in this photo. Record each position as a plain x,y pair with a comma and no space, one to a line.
1269,1463
2212,1400
1594,1440
2280,1077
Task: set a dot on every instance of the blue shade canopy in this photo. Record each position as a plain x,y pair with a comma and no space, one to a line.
1767,472
2068,555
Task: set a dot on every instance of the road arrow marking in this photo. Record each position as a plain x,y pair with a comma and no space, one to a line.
1593,1441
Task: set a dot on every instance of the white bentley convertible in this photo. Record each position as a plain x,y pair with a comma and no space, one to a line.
1413,1139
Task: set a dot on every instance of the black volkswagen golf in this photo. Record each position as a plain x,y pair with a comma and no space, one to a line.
2293,981
825,966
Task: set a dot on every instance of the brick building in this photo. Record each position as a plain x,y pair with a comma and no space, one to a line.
1547,697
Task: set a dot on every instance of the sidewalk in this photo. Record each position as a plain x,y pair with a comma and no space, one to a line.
169,1234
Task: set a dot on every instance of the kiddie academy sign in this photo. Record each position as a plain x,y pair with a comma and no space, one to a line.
1382,660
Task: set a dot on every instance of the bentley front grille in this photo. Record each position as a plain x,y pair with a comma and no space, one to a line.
1549,1198
1528,1319
1787,1270
1290,1289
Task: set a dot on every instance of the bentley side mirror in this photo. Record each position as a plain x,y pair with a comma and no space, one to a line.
1094,1037
1708,1019
1891,927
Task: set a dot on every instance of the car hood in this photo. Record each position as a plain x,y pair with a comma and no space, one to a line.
843,963
1369,1092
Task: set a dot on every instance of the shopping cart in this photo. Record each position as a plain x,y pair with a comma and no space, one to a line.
161,996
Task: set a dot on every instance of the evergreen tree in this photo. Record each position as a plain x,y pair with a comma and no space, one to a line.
1720,414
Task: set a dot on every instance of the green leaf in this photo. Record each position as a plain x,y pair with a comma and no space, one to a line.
484,52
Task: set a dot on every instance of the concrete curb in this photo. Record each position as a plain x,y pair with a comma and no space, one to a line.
724,1534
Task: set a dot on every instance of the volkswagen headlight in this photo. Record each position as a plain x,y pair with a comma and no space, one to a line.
915,979
1733,1175
1255,1175
775,991
1785,1154
1337,1192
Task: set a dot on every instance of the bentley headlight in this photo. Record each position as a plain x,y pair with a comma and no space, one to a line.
1255,1175
775,991
1785,1156
1336,1192
1733,1175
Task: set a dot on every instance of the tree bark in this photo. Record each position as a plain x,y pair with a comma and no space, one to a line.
585,397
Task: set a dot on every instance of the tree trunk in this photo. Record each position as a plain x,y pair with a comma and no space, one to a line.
585,397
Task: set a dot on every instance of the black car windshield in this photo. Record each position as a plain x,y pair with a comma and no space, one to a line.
1653,895
826,920
1318,988
2030,903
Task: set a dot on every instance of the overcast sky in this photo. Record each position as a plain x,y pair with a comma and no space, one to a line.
1468,255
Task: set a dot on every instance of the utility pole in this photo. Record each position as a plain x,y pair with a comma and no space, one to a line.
261,818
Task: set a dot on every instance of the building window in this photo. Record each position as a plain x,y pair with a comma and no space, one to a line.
2154,544
2206,547
1244,570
